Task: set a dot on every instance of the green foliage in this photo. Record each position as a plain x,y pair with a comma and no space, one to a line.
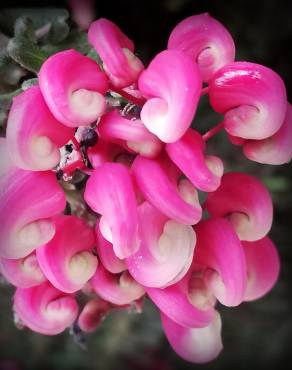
23,48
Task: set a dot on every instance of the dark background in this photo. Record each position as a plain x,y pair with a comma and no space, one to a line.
256,335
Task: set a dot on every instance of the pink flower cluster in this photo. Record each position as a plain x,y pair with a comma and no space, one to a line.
145,165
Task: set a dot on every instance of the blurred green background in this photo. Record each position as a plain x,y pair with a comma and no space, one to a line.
256,335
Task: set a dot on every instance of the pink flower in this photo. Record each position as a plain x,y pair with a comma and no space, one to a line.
116,51
263,267
121,141
219,249
131,134
109,191
34,136
251,97
204,172
29,200
187,302
206,41
23,272
198,345
276,149
166,249
245,202
45,309
73,87
159,181
172,85
92,314
67,259
119,289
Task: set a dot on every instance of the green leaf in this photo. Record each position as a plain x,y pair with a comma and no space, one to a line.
23,48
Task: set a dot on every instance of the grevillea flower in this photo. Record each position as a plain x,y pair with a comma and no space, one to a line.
92,314
206,41
166,250
116,51
24,272
109,191
172,85
219,249
67,260
107,255
198,345
131,134
263,266
73,87
276,149
34,136
251,97
45,309
120,139
119,289
26,215
173,197
204,172
245,202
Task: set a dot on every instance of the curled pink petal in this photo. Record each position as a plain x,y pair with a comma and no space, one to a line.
206,41
251,97
166,250
34,136
246,203
263,267
119,289
204,172
73,87
276,149
158,180
23,273
188,304
28,200
92,314
173,84
44,309
219,248
107,255
197,345
67,260
130,133
116,51
109,191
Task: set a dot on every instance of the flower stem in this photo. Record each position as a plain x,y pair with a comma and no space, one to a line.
213,131
133,99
